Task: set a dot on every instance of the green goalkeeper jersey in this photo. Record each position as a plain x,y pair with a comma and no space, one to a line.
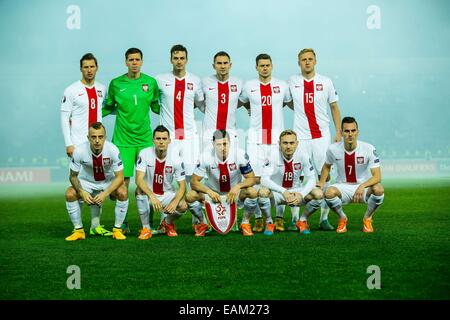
131,100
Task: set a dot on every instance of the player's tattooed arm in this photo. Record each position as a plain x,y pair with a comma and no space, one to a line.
77,185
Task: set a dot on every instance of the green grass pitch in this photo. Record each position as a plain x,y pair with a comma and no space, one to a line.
410,245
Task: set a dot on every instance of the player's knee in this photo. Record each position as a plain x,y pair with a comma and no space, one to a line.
264,193
251,193
316,194
192,196
122,193
331,192
182,206
71,194
378,189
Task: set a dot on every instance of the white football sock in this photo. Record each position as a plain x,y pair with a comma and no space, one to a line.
336,204
325,210
96,211
295,213
264,205
310,208
372,204
250,206
74,210
143,208
196,209
120,212
280,211
257,212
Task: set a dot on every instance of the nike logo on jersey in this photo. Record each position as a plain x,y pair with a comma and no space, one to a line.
168,84
121,90
211,88
252,90
80,94
297,86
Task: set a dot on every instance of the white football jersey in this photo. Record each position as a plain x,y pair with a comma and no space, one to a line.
311,104
177,99
221,99
80,107
266,108
159,174
223,175
96,168
353,167
286,174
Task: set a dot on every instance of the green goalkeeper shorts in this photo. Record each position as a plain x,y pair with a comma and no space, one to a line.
129,157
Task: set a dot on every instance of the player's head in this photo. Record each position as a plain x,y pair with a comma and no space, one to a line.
264,65
178,57
134,59
96,137
350,131
221,143
288,143
88,67
161,138
307,60
222,63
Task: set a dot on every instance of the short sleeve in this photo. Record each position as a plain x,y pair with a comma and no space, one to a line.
117,163
374,160
141,164
244,96
332,93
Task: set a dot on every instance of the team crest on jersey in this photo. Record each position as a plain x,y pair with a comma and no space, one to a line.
298,166
233,88
360,160
145,87
100,93
319,87
106,161
276,89
190,86
168,169
232,166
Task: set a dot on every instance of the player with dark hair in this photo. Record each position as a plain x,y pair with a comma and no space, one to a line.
156,169
227,174
130,98
358,175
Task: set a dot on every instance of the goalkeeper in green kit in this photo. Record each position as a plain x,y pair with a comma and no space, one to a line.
130,97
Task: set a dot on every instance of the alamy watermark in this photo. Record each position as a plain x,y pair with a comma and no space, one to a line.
374,280
74,280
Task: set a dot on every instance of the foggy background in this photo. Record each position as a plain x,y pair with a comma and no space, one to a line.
389,62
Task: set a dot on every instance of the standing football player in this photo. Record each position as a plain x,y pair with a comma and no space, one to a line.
312,95
81,106
265,97
130,97
221,101
358,175
180,93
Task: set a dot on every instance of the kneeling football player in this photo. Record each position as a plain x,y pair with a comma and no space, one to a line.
227,174
96,172
156,169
